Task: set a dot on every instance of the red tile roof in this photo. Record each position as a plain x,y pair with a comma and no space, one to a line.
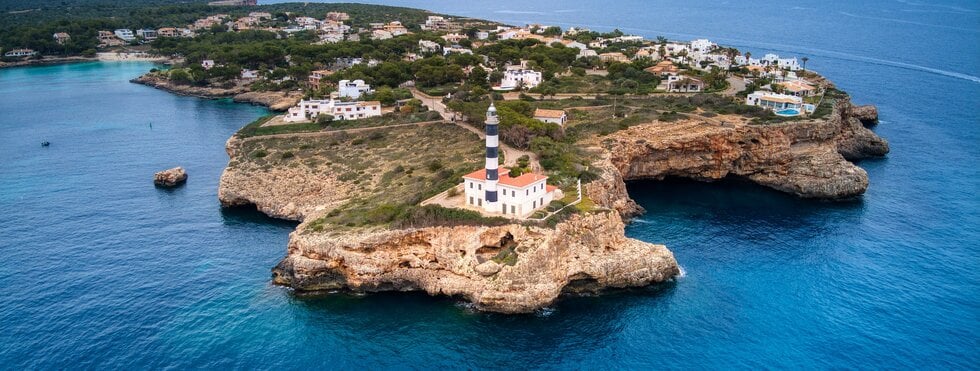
549,113
522,181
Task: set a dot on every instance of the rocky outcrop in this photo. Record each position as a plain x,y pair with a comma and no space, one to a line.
275,100
290,193
170,177
868,114
806,158
584,254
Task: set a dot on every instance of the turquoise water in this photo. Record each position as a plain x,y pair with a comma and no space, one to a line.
788,112
101,269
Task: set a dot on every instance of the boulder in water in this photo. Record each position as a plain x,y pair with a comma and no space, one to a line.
170,177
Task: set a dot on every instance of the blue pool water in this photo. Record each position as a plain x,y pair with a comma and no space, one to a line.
101,269
788,112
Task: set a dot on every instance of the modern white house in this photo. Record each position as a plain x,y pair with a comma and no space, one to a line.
770,60
554,116
501,194
587,53
307,110
683,84
514,78
20,53
207,64
702,45
248,74
352,89
781,104
426,46
125,34
147,34
456,49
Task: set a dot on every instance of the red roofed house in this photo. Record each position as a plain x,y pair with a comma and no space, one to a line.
519,197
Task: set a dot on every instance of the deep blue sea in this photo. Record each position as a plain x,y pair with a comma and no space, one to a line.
100,269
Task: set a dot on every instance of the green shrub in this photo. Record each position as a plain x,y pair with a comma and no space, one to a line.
260,153
434,165
287,155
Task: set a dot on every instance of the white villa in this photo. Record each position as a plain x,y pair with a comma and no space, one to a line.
248,74
308,110
147,34
782,104
554,116
587,53
770,60
352,89
702,45
514,78
501,194
798,88
683,84
426,46
207,64
20,53
125,34
456,49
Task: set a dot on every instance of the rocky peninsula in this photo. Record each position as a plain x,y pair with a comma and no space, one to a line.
274,100
585,253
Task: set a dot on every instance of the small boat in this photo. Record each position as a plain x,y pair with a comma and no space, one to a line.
45,143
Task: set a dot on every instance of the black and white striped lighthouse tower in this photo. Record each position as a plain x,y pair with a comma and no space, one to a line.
491,166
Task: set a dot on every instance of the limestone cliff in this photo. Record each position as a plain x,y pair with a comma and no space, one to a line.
806,158
586,253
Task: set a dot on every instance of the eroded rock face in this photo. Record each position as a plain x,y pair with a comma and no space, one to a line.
455,261
170,177
867,115
281,192
805,158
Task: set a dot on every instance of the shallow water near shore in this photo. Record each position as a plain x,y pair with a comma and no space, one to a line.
101,269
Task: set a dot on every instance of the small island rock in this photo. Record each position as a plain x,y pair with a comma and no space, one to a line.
170,177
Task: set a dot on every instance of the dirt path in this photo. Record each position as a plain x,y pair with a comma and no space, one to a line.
511,154
735,85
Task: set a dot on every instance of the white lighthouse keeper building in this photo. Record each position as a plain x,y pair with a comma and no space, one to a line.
501,194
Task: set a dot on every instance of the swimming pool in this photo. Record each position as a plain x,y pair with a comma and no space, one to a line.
788,112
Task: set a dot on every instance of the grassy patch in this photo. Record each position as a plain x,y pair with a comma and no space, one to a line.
382,174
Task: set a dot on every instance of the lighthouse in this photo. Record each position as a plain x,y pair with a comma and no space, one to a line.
491,165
